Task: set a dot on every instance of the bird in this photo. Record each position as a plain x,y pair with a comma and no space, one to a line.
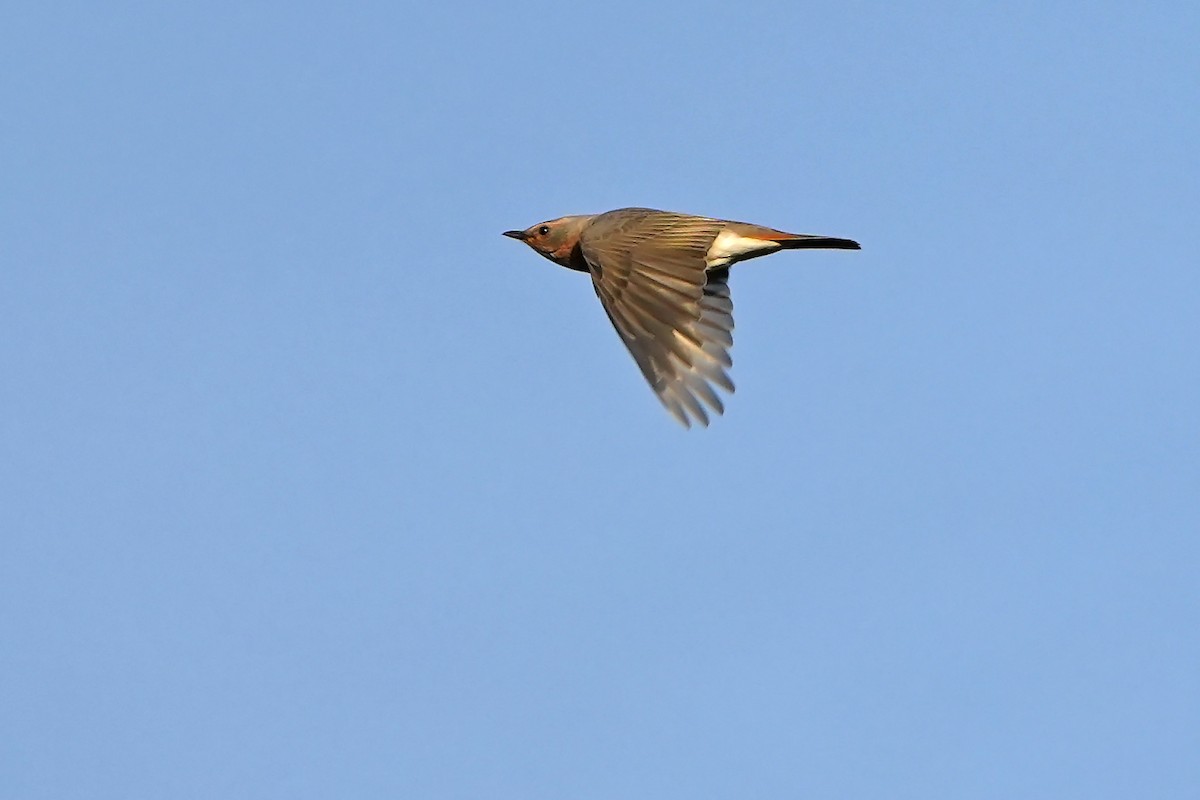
663,280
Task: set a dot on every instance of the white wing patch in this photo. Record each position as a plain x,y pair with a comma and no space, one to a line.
728,247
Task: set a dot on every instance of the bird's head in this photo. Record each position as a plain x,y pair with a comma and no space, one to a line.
555,239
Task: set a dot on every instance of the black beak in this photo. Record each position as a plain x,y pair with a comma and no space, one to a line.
522,235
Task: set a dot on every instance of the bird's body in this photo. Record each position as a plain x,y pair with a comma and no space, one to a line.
662,278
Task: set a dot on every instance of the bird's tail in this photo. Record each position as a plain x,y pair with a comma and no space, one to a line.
804,241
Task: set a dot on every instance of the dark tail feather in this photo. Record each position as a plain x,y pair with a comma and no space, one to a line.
818,243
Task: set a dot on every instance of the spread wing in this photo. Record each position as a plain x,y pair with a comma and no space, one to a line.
674,315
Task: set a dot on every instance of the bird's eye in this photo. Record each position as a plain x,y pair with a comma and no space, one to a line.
544,230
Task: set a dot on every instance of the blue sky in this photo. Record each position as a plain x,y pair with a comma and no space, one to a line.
313,485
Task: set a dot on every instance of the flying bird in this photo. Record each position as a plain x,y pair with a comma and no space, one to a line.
663,279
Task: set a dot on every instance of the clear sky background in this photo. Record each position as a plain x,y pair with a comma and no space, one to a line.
312,485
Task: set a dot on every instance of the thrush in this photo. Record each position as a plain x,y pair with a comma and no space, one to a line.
663,279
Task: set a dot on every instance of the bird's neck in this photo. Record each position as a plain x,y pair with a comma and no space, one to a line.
574,260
